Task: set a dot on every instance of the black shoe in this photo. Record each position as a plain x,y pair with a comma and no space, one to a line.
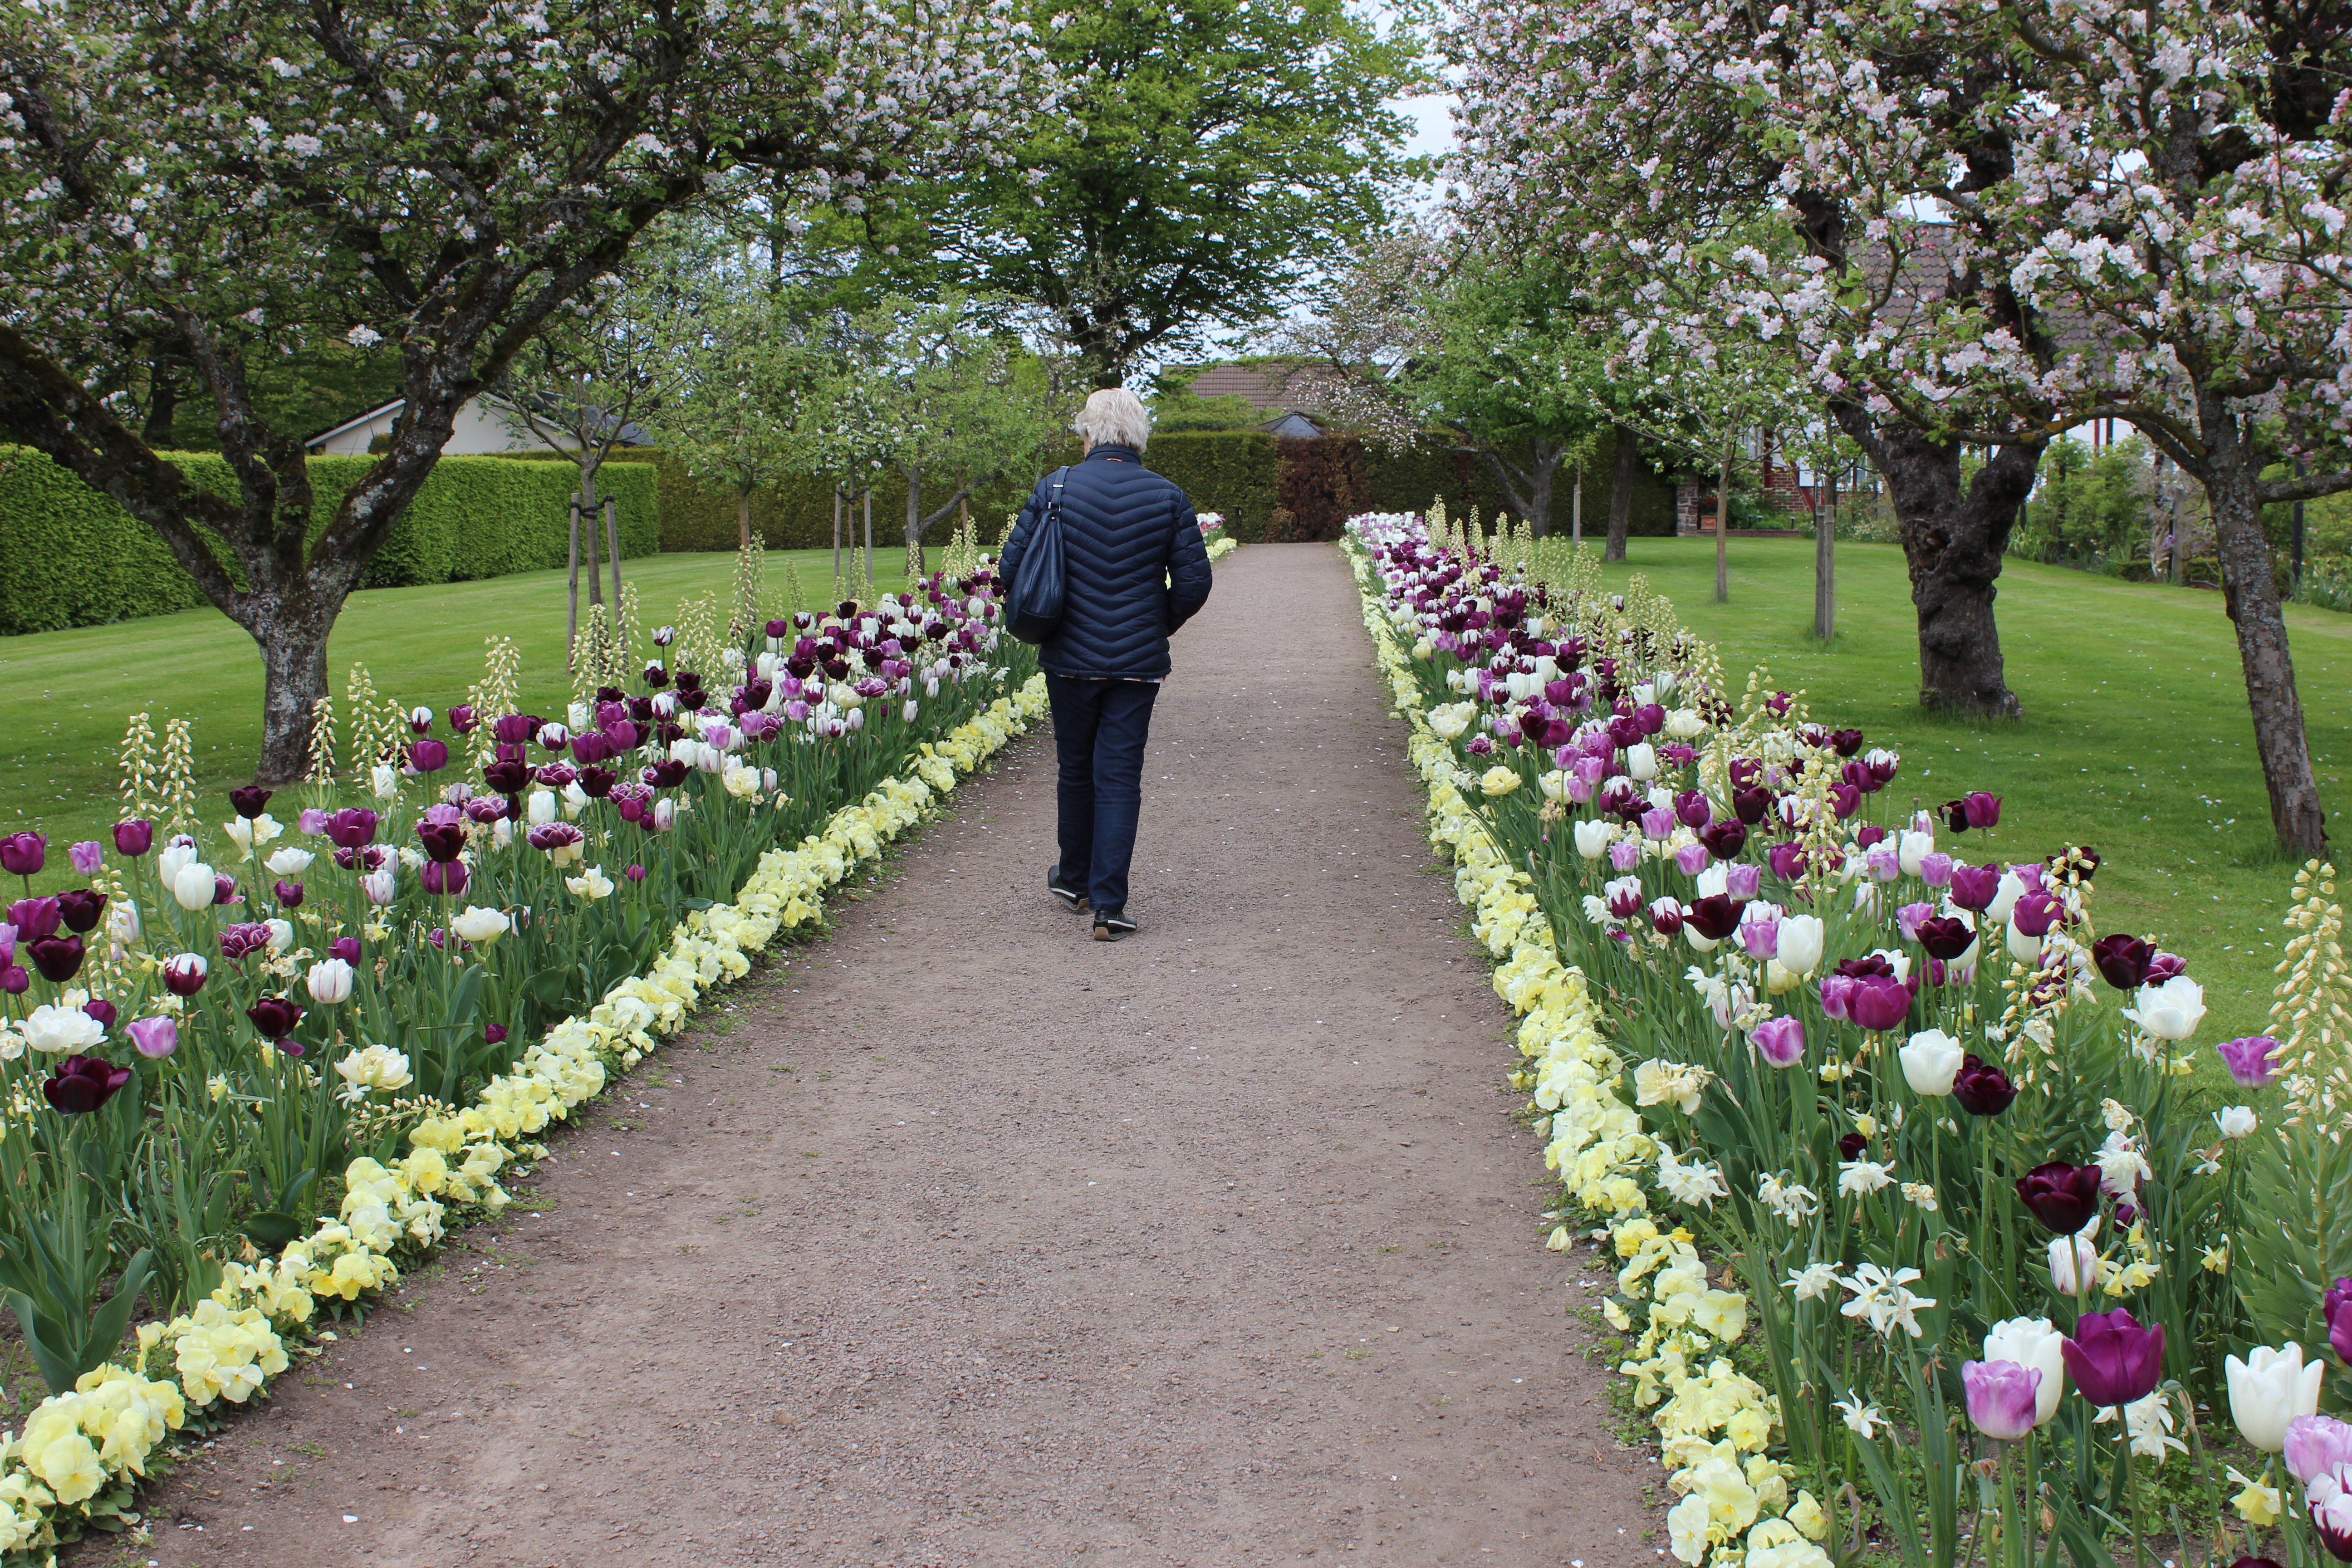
1072,899
1112,924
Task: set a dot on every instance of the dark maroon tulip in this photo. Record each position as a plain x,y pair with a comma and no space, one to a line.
553,836
1724,839
100,1008
445,877
1747,772
486,809
2080,858
507,776
351,827
367,857
224,888
1846,742
1868,964
428,756
2255,1562
1869,835
1974,887
135,836
1788,861
1715,917
462,720
184,975
23,854
495,1034
443,842
79,1085
346,948
1955,814
2163,966
1750,804
58,958
1877,1003
274,1017
1691,810
657,676
780,629
249,801
1851,1146
2036,911
1982,1088
79,908
1666,917
2062,1196
667,774
597,782
2114,1359
1945,937
36,918
289,895
2123,960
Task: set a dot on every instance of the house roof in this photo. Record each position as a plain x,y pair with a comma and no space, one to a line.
1267,385
331,431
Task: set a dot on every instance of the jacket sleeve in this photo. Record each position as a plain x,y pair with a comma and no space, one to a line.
1008,557
1188,566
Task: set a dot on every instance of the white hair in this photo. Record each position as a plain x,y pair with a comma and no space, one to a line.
1114,416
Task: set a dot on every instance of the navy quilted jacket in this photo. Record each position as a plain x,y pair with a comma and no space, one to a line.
1136,568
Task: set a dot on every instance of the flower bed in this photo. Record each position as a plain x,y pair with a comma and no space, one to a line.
1214,535
1938,1135
445,974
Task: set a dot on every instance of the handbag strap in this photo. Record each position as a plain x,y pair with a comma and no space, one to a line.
1053,497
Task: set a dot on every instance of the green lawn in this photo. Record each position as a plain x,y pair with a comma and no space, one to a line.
2136,738
64,695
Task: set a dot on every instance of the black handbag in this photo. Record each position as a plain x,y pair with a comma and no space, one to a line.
1033,612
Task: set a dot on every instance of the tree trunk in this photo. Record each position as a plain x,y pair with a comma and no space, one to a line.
592,511
1575,513
836,541
2232,473
1529,491
292,636
1952,542
869,535
744,517
571,619
162,404
1825,565
1621,492
1723,522
612,542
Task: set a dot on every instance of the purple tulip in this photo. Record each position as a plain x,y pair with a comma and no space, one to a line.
154,1037
1868,837
1907,918
2249,1060
1936,868
2062,1196
2035,912
2113,1359
274,1017
223,888
1761,938
79,909
352,827
2122,960
100,1008
2163,966
80,1084
1780,1041
1835,988
36,918
428,756
346,948
445,877
1691,860
1656,823
462,720
1625,854
2316,1446
134,837
1982,1088
1691,810
1973,887
1742,880
1981,810
310,821
289,895
86,857
1878,1002
1884,865
1724,839
184,975
58,958
635,873
495,1034
23,854
2339,1321
1788,861
243,940
2002,1397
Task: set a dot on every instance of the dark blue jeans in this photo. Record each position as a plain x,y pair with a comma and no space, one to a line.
1098,731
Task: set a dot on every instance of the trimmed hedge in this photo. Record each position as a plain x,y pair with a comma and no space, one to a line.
70,557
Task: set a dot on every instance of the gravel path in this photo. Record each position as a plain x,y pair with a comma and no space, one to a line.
963,1239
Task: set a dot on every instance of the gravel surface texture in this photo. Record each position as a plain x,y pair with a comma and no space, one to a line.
960,1238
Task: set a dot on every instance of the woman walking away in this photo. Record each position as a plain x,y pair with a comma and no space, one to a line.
1135,570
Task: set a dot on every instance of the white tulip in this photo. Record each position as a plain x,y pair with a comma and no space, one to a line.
2023,948
2074,1263
590,884
2170,1011
1910,847
1714,880
1684,724
375,1067
2005,894
380,884
1930,1062
289,862
2269,1389
1593,839
2237,1121
579,716
171,858
52,1028
1642,760
122,922
1799,949
479,925
328,982
195,887
541,807
385,779
281,935
2032,1341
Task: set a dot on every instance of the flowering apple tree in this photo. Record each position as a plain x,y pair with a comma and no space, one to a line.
432,180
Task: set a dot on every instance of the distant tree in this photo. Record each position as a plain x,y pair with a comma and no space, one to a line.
231,181
1175,408
1212,154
